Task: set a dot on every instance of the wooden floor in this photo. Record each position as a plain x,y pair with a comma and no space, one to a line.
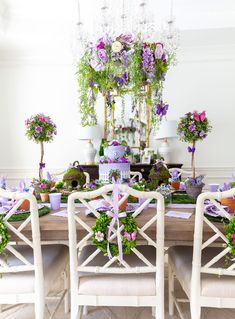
124,313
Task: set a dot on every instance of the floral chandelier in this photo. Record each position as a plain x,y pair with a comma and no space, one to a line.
125,63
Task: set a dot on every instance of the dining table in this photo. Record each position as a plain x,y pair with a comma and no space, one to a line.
178,230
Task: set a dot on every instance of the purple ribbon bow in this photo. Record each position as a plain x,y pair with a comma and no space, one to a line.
191,149
42,165
115,219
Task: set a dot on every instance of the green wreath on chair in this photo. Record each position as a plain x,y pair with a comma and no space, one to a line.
100,237
230,234
4,234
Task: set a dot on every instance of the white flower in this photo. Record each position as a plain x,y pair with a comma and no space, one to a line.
116,46
99,236
0,238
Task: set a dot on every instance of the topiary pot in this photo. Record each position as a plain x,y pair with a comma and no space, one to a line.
175,185
230,202
194,190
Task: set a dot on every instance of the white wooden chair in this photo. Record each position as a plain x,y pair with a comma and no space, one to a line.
28,270
137,280
136,174
202,270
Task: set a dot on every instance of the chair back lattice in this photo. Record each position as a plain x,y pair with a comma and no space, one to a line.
155,219
181,172
218,261
23,234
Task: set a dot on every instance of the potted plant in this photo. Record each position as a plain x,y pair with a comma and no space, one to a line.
175,179
40,129
193,127
44,189
229,201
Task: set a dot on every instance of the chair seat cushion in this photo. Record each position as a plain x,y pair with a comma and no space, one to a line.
180,258
118,284
55,259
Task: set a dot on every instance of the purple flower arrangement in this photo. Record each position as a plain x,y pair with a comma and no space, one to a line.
40,128
193,127
120,64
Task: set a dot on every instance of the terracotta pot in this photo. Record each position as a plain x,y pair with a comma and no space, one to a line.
230,202
53,184
175,185
194,190
44,197
25,205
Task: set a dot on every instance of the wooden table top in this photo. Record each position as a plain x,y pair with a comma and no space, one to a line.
177,230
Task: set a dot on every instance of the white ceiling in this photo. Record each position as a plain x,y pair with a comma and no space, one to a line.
53,21
189,14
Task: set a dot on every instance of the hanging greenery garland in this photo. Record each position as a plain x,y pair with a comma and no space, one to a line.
4,235
124,65
100,230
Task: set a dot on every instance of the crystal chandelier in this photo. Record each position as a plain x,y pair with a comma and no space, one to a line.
132,16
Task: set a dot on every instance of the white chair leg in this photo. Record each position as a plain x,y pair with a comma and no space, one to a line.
80,312
85,310
170,290
159,309
74,313
154,312
195,310
39,308
66,297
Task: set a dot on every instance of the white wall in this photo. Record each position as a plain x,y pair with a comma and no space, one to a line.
37,75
